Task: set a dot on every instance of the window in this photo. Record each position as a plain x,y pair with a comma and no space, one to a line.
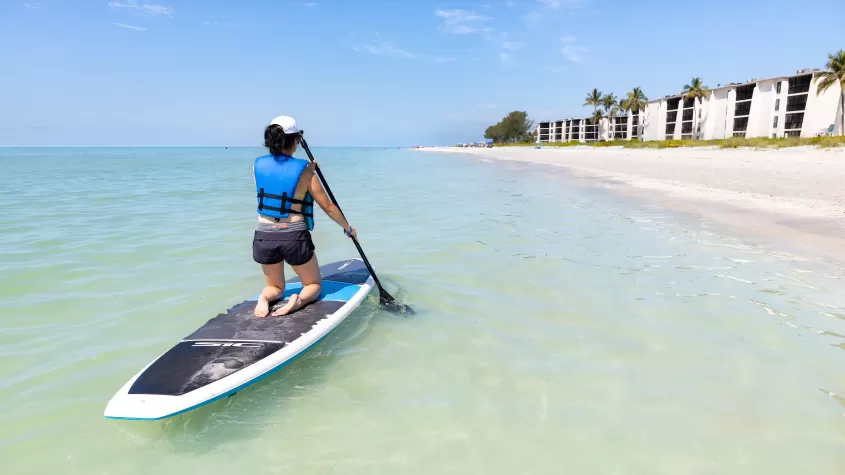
699,113
686,137
742,108
800,84
774,136
794,121
741,124
777,103
739,134
777,87
698,130
687,114
796,103
672,104
689,103
672,116
686,127
792,133
636,120
775,123
670,129
744,93
670,136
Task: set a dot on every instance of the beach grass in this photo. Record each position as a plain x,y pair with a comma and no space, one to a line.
733,142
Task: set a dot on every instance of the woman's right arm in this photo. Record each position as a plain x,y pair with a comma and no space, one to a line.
322,199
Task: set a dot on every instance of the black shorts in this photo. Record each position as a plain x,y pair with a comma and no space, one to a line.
293,247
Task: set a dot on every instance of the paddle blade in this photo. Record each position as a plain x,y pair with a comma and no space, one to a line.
391,304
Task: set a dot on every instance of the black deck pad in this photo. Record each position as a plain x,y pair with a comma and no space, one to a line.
236,339
352,271
190,365
240,323
223,346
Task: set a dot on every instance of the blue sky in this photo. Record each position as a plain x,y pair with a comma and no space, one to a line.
184,73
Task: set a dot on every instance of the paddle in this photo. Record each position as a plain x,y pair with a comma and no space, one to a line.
385,298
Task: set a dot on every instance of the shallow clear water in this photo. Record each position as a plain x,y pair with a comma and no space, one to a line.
561,329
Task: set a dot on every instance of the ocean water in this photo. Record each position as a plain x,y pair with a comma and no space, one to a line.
560,329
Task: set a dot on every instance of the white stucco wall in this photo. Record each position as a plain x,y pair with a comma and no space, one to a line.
762,108
781,112
822,110
708,115
651,121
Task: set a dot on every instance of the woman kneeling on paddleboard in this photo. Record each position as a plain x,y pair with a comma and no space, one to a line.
286,189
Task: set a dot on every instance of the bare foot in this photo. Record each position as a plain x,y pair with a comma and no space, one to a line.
293,304
262,308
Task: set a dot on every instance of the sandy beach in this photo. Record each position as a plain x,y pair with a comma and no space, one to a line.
794,197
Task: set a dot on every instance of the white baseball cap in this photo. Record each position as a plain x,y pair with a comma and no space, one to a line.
288,124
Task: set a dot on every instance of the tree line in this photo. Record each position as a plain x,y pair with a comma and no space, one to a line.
515,127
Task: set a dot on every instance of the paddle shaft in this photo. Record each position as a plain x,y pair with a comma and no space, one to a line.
382,293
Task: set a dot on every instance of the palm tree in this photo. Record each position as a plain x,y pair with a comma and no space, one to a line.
608,102
835,74
611,107
635,102
598,115
697,91
593,98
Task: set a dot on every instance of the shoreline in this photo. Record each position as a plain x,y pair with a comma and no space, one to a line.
792,197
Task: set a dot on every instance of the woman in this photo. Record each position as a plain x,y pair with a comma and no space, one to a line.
286,189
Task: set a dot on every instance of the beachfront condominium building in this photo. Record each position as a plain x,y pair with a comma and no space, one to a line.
568,130
785,106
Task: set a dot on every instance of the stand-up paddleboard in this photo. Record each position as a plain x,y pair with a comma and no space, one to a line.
235,349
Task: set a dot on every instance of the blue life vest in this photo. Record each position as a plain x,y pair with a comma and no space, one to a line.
276,179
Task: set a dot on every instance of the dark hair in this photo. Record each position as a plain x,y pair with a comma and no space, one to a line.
277,141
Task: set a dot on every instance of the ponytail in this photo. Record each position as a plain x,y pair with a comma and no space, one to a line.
277,141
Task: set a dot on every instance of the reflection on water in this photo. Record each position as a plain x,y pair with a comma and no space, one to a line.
560,329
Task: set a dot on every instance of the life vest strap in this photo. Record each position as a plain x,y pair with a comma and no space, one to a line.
285,200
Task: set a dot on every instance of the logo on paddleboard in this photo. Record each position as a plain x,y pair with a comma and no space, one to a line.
344,265
229,343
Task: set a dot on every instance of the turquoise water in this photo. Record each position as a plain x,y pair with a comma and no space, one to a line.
560,329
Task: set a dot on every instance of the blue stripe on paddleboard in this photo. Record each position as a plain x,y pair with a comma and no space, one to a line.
338,291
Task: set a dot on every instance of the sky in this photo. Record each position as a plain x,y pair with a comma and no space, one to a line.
369,73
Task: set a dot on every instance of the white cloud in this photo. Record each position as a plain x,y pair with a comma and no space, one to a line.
221,24
562,3
445,60
536,14
531,16
309,4
130,27
462,22
570,50
34,5
510,4
383,48
573,53
505,57
150,9
512,45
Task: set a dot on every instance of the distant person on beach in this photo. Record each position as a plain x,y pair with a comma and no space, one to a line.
286,189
